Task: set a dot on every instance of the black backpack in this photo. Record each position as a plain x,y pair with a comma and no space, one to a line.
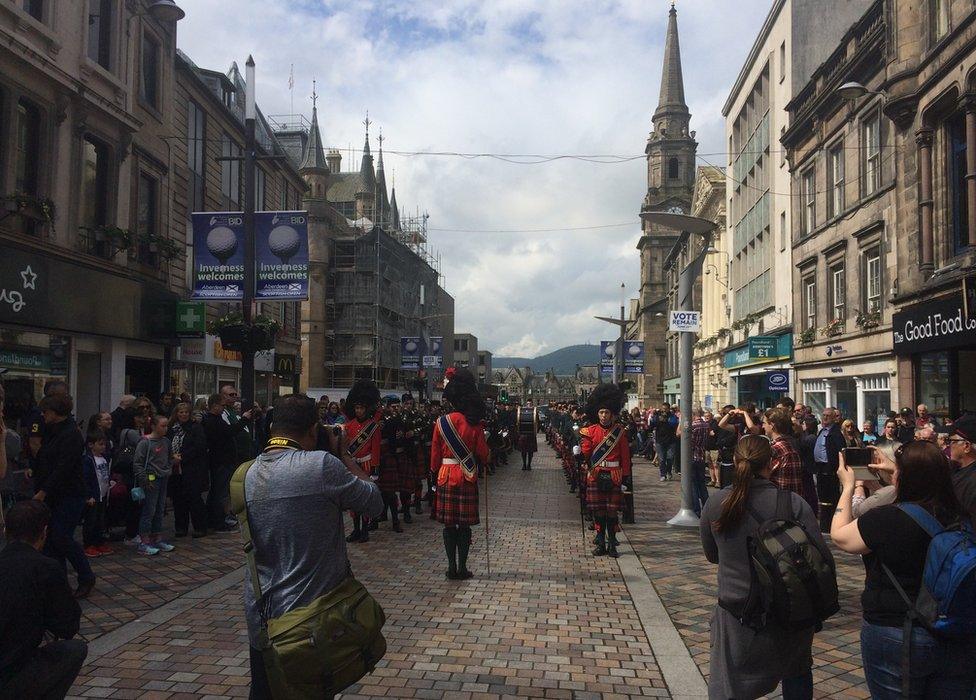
794,580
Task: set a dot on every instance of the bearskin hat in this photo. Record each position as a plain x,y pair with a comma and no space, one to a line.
363,392
462,392
604,396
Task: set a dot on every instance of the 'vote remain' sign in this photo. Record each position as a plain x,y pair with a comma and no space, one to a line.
684,321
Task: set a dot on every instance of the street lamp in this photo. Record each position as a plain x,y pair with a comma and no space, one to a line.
619,344
686,517
166,11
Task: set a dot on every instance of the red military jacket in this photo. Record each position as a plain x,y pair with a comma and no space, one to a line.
618,461
472,435
367,456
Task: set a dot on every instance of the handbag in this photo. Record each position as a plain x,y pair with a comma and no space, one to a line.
316,650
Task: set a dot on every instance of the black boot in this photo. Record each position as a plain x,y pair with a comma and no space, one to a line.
600,548
450,546
395,519
464,546
405,499
611,524
357,529
418,504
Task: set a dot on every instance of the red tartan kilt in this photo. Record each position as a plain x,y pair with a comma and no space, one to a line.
600,501
527,443
406,472
457,505
389,476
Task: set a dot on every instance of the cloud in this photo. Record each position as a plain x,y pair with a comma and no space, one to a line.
505,76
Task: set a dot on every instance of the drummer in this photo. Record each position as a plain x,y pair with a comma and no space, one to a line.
528,426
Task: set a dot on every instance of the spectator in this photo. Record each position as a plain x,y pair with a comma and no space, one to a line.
926,434
152,465
906,425
167,401
190,472
121,417
890,539
962,451
852,438
699,462
826,450
243,438
35,601
96,470
332,415
731,427
787,403
868,436
925,419
222,454
745,663
888,436
36,427
59,482
122,465
664,424
144,406
787,467
295,500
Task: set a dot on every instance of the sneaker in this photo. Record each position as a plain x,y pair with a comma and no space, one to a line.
134,542
105,550
664,478
91,552
147,549
164,546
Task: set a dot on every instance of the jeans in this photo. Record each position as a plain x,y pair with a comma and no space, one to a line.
151,520
666,454
699,486
49,672
940,668
66,514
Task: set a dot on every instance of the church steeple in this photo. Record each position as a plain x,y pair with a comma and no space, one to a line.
382,206
366,167
672,112
314,153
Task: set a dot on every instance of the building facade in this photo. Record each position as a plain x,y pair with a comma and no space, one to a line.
843,236
466,351
670,152
484,367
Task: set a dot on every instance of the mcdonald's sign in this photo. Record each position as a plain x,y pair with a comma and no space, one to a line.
285,365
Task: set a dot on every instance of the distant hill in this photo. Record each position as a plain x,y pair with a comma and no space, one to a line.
561,361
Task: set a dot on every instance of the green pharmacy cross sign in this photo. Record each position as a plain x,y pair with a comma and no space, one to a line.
762,347
191,319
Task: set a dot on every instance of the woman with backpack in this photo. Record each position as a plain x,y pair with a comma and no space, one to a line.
894,540
753,653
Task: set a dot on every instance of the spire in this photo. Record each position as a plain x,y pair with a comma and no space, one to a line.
672,100
382,203
394,210
314,153
366,168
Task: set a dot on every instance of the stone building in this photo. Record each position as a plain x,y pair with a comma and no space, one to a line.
844,225
670,154
929,88
86,98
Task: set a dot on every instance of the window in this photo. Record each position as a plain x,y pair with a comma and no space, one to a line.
28,149
835,181
809,303
957,184
149,87
782,62
873,280
195,147
783,235
838,293
100,32
809,200
871,149
230,175
938,19
227,96
147,211
260,185
673,169
94,183
35,8
782,151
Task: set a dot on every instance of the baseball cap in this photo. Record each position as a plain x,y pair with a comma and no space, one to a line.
965,427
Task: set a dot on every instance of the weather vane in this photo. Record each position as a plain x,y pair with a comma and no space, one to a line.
367,122
315,97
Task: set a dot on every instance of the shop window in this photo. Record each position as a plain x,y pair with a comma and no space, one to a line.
100,21
873,280
838,292
809,303
809,198
871,154
230,174
93,210
957,185
967,382
845,399
149,83
835,180
938,19
934,382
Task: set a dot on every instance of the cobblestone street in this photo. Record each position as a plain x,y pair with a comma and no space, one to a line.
551,621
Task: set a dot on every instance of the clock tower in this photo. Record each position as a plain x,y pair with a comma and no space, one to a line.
670,153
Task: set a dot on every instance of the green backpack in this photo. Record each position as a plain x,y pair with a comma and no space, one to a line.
319,649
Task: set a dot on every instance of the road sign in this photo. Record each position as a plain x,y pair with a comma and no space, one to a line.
432,360
684,321
762,347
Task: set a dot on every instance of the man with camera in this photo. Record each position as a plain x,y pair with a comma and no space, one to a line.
826,456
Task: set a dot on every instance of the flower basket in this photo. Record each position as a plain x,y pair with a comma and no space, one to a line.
806,336
233,337
40,209
234,334
868,319
833,328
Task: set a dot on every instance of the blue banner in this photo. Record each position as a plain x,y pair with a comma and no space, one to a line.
411,349
778,380
633,357
218,256
281,255
608,348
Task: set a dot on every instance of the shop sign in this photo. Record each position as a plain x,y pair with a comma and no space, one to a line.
285,365
834,350
778,380
836,370
224,355
264,361
25,359
762,347
191,319
740,357
935,325
193,349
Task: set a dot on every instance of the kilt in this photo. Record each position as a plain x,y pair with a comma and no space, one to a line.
422,462
603,501
527,442
389,476
406,472
457,505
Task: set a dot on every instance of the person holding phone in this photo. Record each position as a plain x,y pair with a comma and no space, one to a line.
826,455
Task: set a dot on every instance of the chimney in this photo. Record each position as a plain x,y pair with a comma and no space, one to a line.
334,159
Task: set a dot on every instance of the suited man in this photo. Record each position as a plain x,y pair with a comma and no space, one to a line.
826,456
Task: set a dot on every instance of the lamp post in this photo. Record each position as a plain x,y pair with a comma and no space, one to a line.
247,304
686,517
618,345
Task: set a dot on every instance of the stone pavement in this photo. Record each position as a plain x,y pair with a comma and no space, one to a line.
551,621
686,583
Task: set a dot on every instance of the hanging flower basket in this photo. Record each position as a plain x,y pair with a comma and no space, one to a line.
833,328
234,334
31,207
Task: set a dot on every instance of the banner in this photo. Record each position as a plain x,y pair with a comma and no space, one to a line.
436,351
778,380
281,255
633,357
410,353
218,256
608,348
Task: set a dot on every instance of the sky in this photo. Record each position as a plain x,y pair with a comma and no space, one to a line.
551,77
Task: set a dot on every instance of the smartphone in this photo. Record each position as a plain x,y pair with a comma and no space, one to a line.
857,456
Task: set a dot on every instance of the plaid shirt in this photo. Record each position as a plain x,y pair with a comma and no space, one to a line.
699,433
787,466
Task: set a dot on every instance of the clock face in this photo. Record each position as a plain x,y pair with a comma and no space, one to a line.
676,210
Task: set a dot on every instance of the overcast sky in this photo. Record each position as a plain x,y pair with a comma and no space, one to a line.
573,77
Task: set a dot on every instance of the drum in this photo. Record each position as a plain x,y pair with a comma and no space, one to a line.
528,421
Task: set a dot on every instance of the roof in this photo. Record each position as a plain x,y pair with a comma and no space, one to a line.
314,154
343,187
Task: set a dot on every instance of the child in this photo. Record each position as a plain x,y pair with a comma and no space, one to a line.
96,473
